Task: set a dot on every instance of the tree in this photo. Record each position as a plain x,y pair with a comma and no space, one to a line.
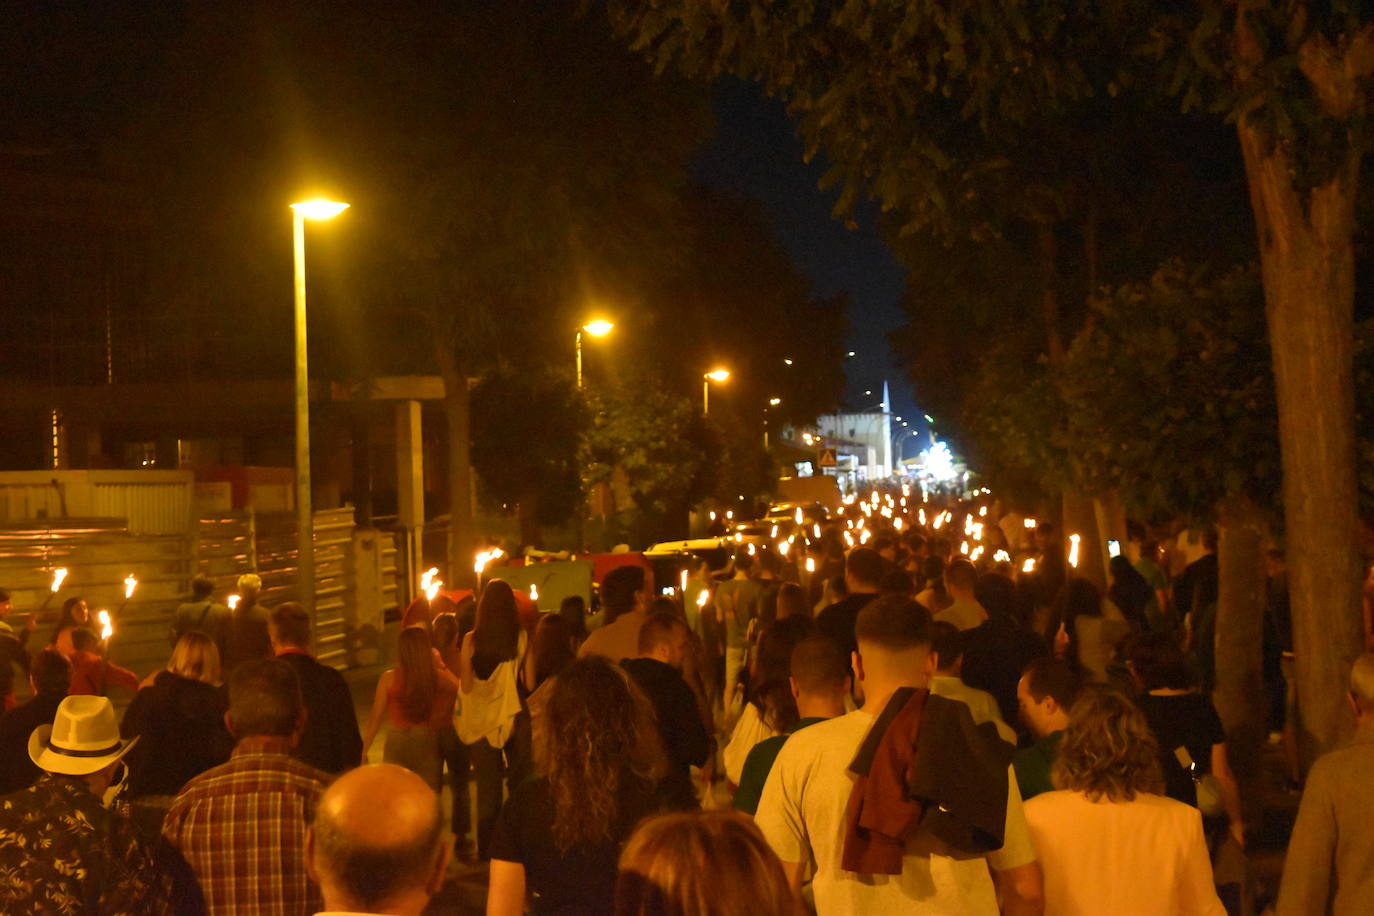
525,431
506,163
1292,76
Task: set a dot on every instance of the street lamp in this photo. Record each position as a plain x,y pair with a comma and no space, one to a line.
599,327
772,402
715,375
305,519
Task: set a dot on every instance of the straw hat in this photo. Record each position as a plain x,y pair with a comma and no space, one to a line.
83,739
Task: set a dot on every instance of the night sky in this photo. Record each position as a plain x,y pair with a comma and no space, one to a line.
756,152
75,70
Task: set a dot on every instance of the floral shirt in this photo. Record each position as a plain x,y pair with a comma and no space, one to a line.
63,852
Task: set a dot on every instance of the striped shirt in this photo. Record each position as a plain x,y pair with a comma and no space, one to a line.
241,826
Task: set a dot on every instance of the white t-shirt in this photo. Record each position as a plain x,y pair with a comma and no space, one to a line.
963,614
980,703
801,813
1145,857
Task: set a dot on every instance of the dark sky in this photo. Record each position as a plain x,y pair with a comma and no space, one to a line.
757,153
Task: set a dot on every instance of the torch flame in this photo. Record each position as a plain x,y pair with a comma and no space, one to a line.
130,583
485,557
534,592
232,601
58,575
106,627
704,597
1073,550
798,515
1029,565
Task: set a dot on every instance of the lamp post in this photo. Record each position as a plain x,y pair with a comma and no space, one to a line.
305,520
597,328
715,375
772,402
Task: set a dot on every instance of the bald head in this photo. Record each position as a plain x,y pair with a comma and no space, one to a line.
376,843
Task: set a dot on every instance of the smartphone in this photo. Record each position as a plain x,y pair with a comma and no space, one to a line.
1113,548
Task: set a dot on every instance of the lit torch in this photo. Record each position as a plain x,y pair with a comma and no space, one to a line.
106,627
810,564
58,575
1073,550
704,598
1029,565
130,583
534,592
484,557
232,601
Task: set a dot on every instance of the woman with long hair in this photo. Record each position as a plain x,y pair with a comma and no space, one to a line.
416,698
934,597
492,719
559,836
179,721
713,862
1132,594
769,708
75,615
1085,629
1107,840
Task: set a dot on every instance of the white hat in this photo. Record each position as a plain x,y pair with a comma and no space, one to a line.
83,739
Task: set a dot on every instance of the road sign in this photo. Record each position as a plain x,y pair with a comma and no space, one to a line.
826,458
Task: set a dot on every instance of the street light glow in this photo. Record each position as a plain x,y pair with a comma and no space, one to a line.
718,375
598,328
319,208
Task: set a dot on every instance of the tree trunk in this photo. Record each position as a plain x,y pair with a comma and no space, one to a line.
527,512
462,539
1307,264
1048,245
1239,694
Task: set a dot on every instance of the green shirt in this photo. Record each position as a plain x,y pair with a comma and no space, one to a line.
758,765
1032,765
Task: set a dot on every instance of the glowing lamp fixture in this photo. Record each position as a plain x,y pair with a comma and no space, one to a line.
598,328
718,375
319,208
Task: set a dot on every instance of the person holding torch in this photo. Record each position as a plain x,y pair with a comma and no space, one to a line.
13,649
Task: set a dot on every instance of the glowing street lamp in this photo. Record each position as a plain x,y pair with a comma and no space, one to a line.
317,209
715,375
598,327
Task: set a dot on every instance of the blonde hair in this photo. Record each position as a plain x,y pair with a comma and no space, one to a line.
196,657
713,862
1362,682
1108,752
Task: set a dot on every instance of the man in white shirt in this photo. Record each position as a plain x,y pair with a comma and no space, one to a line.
802,810
964,612
947,646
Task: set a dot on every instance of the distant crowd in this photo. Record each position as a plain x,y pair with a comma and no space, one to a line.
904,707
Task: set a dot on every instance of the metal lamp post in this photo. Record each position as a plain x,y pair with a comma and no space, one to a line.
305,525
598,328
715,375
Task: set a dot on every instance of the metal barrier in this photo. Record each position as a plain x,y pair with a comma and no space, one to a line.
99,553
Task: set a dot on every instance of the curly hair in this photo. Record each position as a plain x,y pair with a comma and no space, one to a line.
1108,751
602,739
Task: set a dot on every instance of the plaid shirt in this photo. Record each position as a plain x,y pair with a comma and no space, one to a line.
241,826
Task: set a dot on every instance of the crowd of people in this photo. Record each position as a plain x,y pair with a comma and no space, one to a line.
865,715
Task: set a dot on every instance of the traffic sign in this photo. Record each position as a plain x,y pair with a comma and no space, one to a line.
826,458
